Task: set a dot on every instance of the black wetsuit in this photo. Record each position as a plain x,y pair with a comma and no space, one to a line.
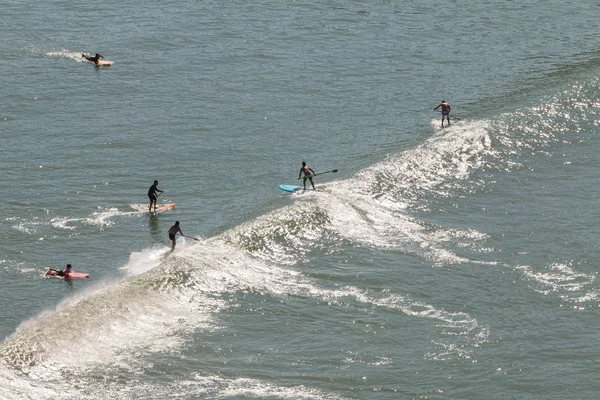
152,193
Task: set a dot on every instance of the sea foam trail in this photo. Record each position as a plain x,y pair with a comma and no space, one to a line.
73,55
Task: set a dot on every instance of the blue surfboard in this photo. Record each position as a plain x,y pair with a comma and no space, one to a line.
300,189
290,188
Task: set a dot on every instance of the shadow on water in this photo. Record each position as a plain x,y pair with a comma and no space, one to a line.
153,224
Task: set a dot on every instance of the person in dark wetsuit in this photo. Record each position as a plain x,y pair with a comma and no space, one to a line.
153,196
308,173
65,272
173,231
94,59
445,111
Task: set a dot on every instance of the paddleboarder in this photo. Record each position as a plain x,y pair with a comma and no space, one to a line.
64,272
445,109
172,232
94,59
308,173
153,196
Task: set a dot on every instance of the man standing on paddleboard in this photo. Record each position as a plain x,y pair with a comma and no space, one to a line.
308,173
173,231
153,196
445,111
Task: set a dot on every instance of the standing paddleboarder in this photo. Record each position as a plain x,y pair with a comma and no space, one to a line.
153,196
445,108
308,173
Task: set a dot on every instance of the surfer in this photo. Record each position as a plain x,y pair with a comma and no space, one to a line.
173,231
94,59
445,111
153,196
64,272
308,173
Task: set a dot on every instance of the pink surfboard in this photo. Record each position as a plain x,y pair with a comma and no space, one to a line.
72,275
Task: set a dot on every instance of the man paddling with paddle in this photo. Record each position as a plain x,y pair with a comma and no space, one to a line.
94,59
308,174
445,111
153,196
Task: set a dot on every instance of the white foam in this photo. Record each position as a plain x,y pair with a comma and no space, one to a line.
139,207
67,54
143,261
62,222
564,280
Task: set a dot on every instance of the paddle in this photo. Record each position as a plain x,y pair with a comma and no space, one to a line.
195,238
320,173
451,116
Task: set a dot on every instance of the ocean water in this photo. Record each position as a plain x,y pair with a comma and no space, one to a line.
455,263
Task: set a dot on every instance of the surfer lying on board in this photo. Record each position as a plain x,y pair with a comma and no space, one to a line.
64,272
173,231
153,196
308,173
445,111
92,59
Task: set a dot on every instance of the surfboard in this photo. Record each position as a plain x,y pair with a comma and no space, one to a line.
289,188
164,207
102,63
72,275
296,189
